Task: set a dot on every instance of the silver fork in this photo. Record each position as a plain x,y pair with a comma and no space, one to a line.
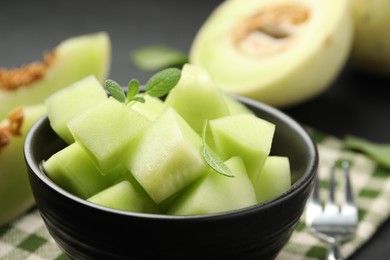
333,223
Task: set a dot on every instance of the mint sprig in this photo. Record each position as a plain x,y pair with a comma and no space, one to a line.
157,86
211,158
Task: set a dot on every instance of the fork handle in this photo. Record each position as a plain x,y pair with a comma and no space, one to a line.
334,252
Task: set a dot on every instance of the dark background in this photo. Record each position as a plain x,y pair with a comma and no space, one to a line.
354,104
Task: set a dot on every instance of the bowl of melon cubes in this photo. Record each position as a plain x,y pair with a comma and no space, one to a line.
178,170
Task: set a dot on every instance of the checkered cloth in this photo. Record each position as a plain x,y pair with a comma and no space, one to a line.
27,237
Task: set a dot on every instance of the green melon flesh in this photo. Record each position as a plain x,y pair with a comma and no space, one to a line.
151,109
124,196
70,101
196,98
280,52
75,58
243,135
235,107
165,158
274,178
105,131
217,193
74,170
15,192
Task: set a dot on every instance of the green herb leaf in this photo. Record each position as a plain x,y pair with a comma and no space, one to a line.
139,98
162,82
214,161
132,89
154,58
211,158
115,90
380,153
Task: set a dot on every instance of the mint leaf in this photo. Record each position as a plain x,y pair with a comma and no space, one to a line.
115,90
162,82
132,89
214,161
157,58
139,98
211,158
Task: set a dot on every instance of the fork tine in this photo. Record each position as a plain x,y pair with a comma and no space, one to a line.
332,184
349,196
331,205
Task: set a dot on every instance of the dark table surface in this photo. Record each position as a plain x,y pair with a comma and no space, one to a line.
354,104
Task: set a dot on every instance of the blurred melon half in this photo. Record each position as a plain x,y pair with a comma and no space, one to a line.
281,52
73,59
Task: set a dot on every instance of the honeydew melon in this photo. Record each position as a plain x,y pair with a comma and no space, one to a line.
280,52
105,131
235,107
70,101
70,61
243,135
273,179
151,109
196,97
165,157
15,192
371,44
74,170
215,193
124,196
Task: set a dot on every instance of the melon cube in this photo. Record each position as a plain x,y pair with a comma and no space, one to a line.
71,101
106,130
124,196
151,109
166,157
243,135
273,179
73,170
217,193
196,98
236,107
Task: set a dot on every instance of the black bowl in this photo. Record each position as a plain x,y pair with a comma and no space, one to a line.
88,231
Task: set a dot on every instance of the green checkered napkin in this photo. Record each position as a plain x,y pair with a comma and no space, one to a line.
371,184
27,237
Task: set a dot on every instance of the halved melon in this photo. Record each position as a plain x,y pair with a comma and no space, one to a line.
72,60
280,52
15,191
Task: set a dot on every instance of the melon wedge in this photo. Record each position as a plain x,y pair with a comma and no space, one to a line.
243,135
74,170
71,101
279,52
106,130
124,196
273,179
197,98
72,60
217,193
15,192
165,157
